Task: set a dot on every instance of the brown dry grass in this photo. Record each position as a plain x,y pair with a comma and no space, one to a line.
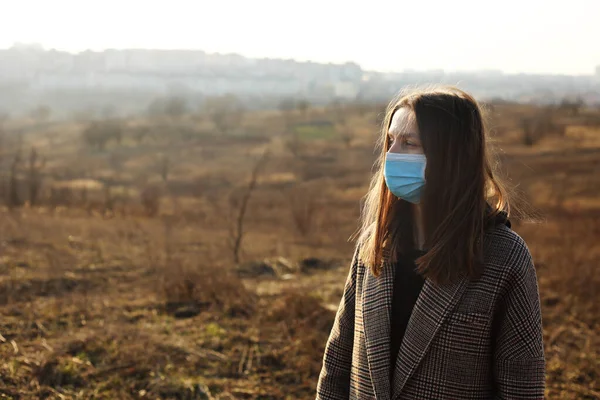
99,302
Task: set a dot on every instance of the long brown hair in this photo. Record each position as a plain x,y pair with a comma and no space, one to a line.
461,196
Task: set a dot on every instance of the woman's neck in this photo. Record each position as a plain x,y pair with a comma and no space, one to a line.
419,230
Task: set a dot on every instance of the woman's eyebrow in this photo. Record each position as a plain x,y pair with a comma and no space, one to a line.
403,134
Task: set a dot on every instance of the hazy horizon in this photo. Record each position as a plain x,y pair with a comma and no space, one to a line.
537,37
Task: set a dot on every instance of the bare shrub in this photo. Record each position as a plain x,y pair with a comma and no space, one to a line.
115,354
233,210
287,104
14,199
294,143
109,199
538,126
175,107
286,108
150,198
140,133
26,290
362,108
529,137
302,200
303,106
34,176
165,167
62,196
571,106
301,321
98,134
300,311
573,266
193,288
339,111
239,206
346,134
226,112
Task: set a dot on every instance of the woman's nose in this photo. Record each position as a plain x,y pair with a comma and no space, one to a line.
396,147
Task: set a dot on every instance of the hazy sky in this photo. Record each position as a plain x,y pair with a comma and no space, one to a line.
537,36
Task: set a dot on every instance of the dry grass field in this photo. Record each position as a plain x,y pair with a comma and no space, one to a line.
203,256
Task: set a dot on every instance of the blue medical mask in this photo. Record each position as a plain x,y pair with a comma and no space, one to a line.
405,175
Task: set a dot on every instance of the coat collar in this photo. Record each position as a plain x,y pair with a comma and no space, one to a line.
431,309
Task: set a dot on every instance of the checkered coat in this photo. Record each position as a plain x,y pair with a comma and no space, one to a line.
473,339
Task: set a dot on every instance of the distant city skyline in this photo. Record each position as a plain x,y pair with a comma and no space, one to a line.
538,37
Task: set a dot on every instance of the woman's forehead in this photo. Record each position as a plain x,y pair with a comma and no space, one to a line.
404,123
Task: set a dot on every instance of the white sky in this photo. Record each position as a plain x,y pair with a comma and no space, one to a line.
535,36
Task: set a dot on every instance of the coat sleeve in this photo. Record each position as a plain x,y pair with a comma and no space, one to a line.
334,380
519,364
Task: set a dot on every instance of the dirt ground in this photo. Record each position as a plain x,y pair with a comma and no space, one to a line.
156,267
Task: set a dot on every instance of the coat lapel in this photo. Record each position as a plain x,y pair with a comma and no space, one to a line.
376,306
431,309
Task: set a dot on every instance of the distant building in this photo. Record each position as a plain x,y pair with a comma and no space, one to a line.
70,82
346,90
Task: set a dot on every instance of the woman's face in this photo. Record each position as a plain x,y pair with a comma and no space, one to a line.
404,133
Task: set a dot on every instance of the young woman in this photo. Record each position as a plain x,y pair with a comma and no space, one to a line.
441,301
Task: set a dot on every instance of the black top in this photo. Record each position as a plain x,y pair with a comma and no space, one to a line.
407,286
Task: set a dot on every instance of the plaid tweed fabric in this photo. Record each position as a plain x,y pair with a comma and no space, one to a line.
478,339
